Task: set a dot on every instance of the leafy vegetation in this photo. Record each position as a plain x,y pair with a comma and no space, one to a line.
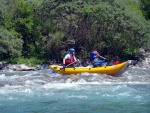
28,61
46,29
145,6
9,44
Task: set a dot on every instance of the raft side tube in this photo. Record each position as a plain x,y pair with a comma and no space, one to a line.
121,71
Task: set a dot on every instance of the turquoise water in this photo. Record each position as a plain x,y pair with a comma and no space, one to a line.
44,92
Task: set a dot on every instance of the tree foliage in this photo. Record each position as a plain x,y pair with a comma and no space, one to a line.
48,28
146,8
10,46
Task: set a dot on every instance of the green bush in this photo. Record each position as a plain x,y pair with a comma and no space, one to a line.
27,61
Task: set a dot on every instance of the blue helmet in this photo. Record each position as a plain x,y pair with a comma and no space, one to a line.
71,50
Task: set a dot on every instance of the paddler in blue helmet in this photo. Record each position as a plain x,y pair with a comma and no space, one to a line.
94,58
69,58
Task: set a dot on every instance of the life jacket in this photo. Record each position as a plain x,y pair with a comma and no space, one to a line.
93,55
70,60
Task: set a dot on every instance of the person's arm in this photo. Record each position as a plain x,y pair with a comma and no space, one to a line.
64,60
75,60
100,56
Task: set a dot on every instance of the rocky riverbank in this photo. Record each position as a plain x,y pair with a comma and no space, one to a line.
23,67
143,63
17,67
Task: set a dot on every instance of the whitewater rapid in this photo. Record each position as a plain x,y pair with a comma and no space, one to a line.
43,91
42,78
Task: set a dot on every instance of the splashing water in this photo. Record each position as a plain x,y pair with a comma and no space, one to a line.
46,92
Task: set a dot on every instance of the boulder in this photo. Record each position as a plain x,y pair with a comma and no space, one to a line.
21,67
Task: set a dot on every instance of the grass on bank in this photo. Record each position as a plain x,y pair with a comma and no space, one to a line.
27,61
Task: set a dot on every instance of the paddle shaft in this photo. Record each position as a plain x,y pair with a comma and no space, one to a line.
67,66
70,64
102,57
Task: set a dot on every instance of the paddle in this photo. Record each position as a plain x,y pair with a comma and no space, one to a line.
106,60
70,64
62,67
103,57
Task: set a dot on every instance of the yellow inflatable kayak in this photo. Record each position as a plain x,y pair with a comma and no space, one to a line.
113,70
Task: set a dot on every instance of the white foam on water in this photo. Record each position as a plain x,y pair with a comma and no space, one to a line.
59,85
124,94
13,77
138,98
32,73
2,77
7,89
39,80
55,75
76,96
76,80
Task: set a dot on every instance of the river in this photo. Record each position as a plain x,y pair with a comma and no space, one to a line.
46,92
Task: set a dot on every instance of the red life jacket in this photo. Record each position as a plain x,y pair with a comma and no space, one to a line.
70,60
